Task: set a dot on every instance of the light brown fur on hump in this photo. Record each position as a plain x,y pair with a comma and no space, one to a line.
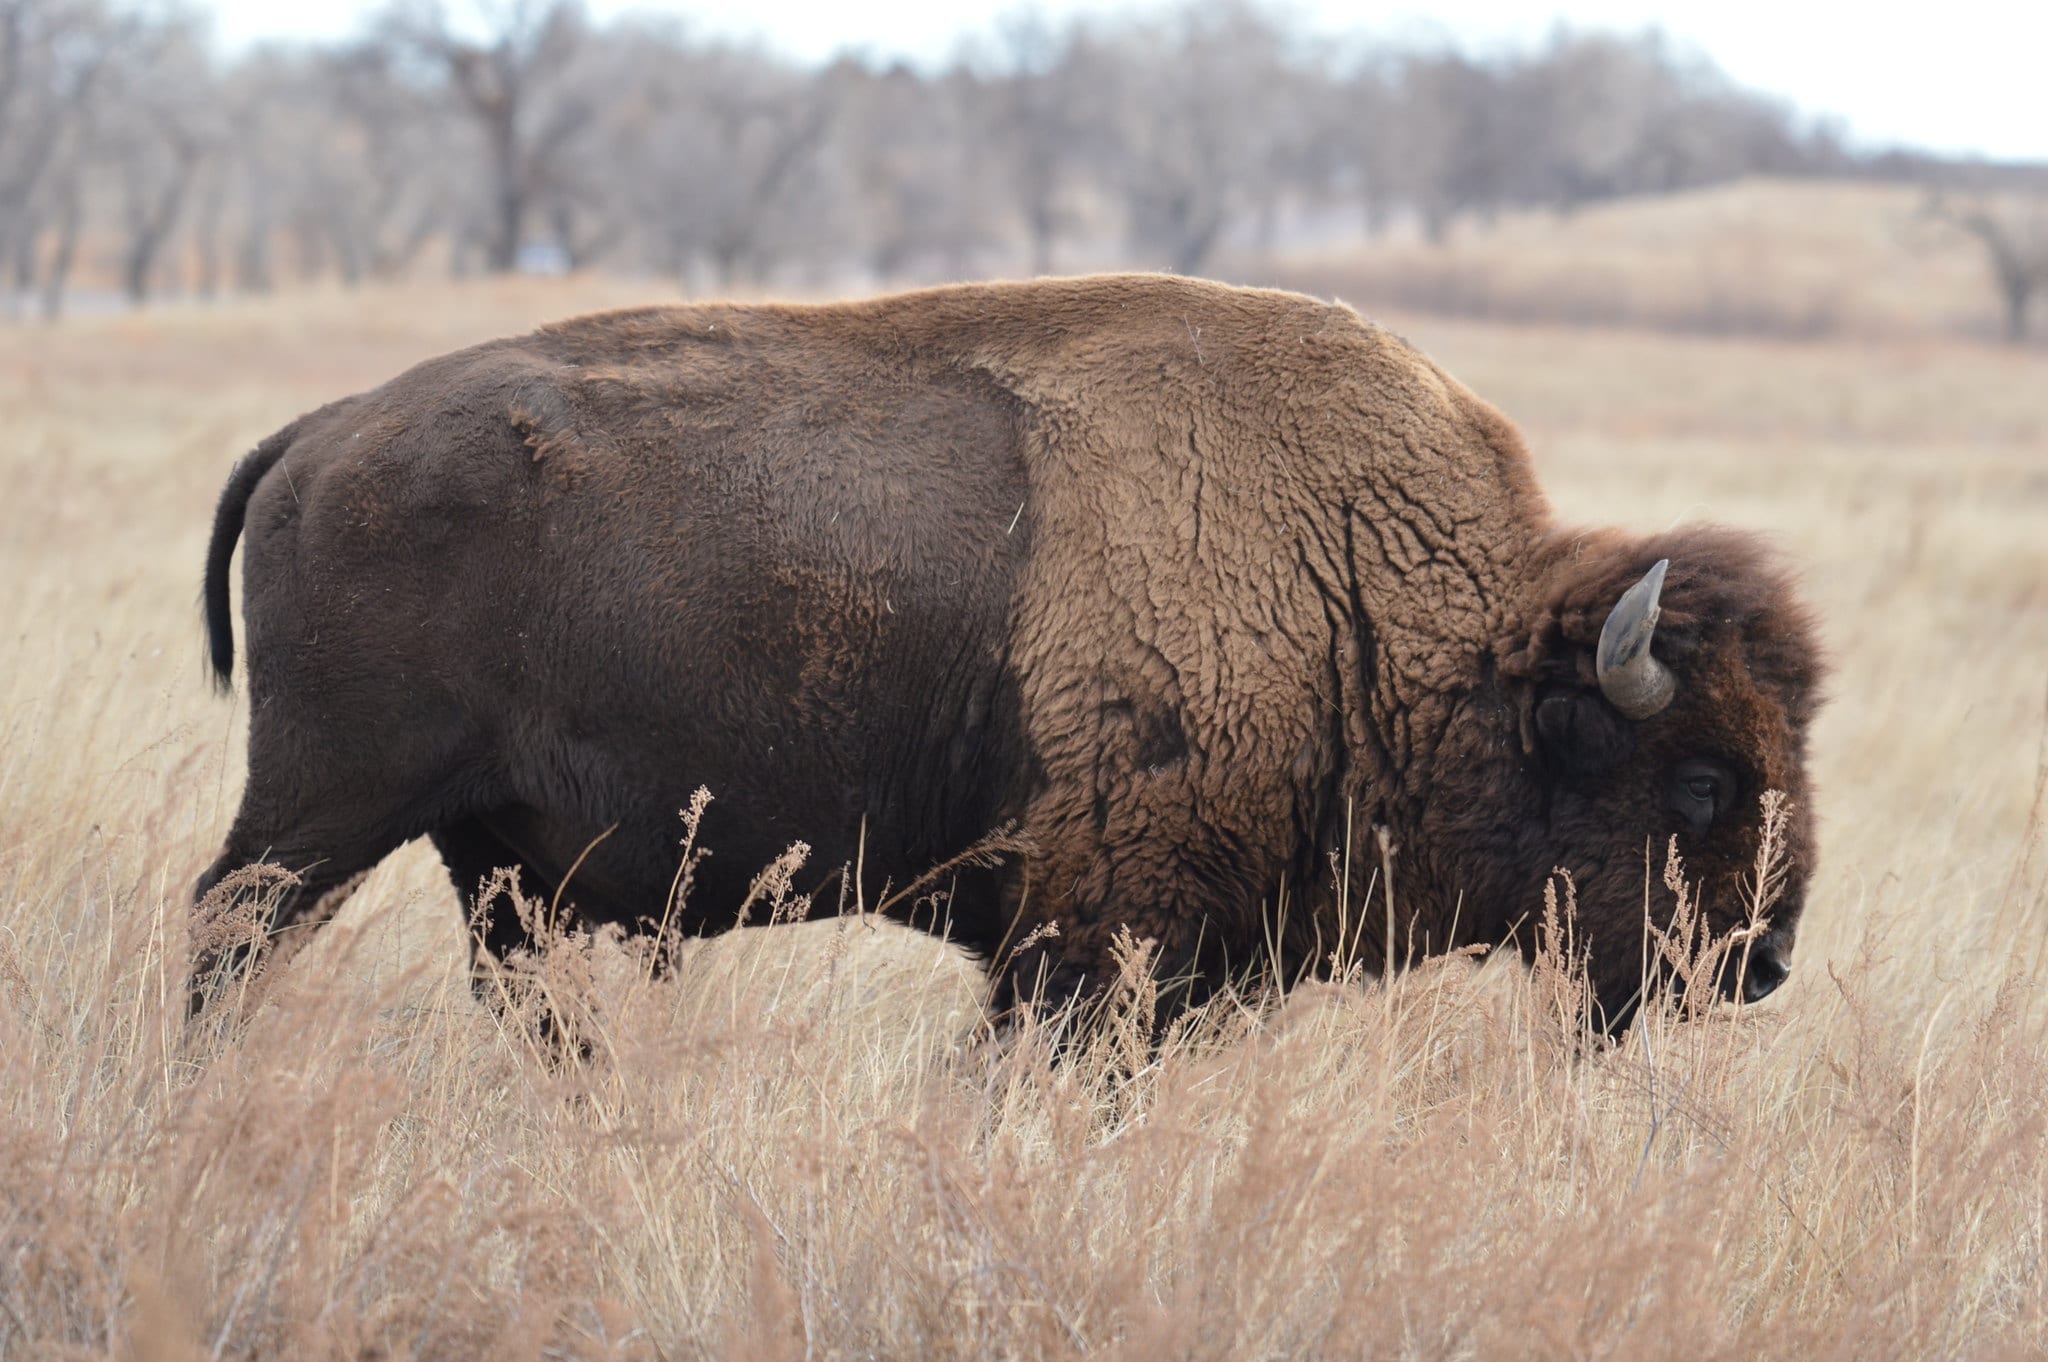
1222,480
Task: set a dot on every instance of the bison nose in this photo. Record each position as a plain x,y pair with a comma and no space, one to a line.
1766,970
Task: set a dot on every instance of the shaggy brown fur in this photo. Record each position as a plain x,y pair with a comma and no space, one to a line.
1196,585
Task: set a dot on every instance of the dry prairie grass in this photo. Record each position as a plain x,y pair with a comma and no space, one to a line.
1791,258
796,1148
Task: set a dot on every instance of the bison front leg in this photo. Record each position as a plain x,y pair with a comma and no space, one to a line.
1133,898
1153,971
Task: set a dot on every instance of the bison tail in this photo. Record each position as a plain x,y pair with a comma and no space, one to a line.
220,550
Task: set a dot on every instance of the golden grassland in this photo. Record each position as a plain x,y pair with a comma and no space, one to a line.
1755,257
796,1146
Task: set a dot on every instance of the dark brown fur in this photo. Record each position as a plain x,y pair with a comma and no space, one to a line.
1194,585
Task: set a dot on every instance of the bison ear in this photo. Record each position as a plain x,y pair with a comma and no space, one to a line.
1578,732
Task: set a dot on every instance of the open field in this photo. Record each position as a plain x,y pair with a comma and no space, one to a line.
1769,257
796,1147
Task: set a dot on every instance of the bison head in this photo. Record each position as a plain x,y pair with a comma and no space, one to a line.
1662,688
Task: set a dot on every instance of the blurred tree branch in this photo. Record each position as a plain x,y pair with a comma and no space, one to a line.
2012,232
509,82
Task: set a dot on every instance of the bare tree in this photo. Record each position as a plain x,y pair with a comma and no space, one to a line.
1354,148
161,127
601,105
68,221
724,165
379,180
2012,232
1201,122
506,82
917,194
53,54
1460,148
1032,114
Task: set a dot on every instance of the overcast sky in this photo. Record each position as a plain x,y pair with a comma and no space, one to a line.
1962,76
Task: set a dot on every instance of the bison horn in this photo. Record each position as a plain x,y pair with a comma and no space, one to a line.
1633,680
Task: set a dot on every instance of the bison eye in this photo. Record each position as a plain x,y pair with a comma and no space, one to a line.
1699,792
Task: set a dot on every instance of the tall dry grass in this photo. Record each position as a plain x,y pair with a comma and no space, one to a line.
799,1146
1759,257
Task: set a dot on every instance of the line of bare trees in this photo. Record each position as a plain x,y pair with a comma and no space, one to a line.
531,137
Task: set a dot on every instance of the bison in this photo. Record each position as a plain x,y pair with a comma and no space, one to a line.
1205,598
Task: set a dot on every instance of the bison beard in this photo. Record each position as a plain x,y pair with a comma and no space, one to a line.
1189,586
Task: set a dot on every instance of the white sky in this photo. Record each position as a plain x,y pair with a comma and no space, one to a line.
1968,76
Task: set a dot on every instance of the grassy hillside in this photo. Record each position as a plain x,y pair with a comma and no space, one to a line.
797,1146
1760,257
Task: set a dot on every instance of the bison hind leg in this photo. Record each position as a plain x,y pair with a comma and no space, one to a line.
249,903
497,887
504,898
